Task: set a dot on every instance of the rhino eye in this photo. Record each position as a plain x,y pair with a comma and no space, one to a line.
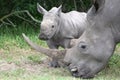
52,26
82,45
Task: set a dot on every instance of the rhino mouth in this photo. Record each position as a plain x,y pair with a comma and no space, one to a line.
84,73
43,37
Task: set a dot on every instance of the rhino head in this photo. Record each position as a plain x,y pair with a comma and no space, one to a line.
93,49
50,22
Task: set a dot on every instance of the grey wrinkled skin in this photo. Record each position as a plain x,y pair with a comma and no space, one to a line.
58,28
95,47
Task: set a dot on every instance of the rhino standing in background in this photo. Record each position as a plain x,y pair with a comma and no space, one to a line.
94,48
58,28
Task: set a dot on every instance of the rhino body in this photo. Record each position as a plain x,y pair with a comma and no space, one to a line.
94,48
71,26
58,28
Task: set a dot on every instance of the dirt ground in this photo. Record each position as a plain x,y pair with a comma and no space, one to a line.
24,63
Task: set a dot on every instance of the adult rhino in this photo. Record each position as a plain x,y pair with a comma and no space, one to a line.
58,28
95,47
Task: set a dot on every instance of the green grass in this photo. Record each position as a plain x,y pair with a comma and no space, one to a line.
19,62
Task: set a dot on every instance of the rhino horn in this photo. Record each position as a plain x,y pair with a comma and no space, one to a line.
53,53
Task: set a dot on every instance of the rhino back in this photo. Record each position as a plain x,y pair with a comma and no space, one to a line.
73,24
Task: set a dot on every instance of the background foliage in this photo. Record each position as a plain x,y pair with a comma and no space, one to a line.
9,6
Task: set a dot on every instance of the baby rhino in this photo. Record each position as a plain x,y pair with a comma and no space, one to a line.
58,28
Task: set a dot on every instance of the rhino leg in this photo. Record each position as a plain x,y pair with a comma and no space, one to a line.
52,45
65,44
54,62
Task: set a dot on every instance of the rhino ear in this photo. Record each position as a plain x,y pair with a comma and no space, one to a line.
41,9
59,10
98,4
96,7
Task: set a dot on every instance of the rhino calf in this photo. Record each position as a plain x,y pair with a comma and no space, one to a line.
58,28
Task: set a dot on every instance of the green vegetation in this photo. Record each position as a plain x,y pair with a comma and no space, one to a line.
17,9
19,62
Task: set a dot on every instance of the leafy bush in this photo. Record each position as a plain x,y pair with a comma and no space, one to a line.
8,6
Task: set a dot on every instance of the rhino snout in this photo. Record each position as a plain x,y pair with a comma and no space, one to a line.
42,36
